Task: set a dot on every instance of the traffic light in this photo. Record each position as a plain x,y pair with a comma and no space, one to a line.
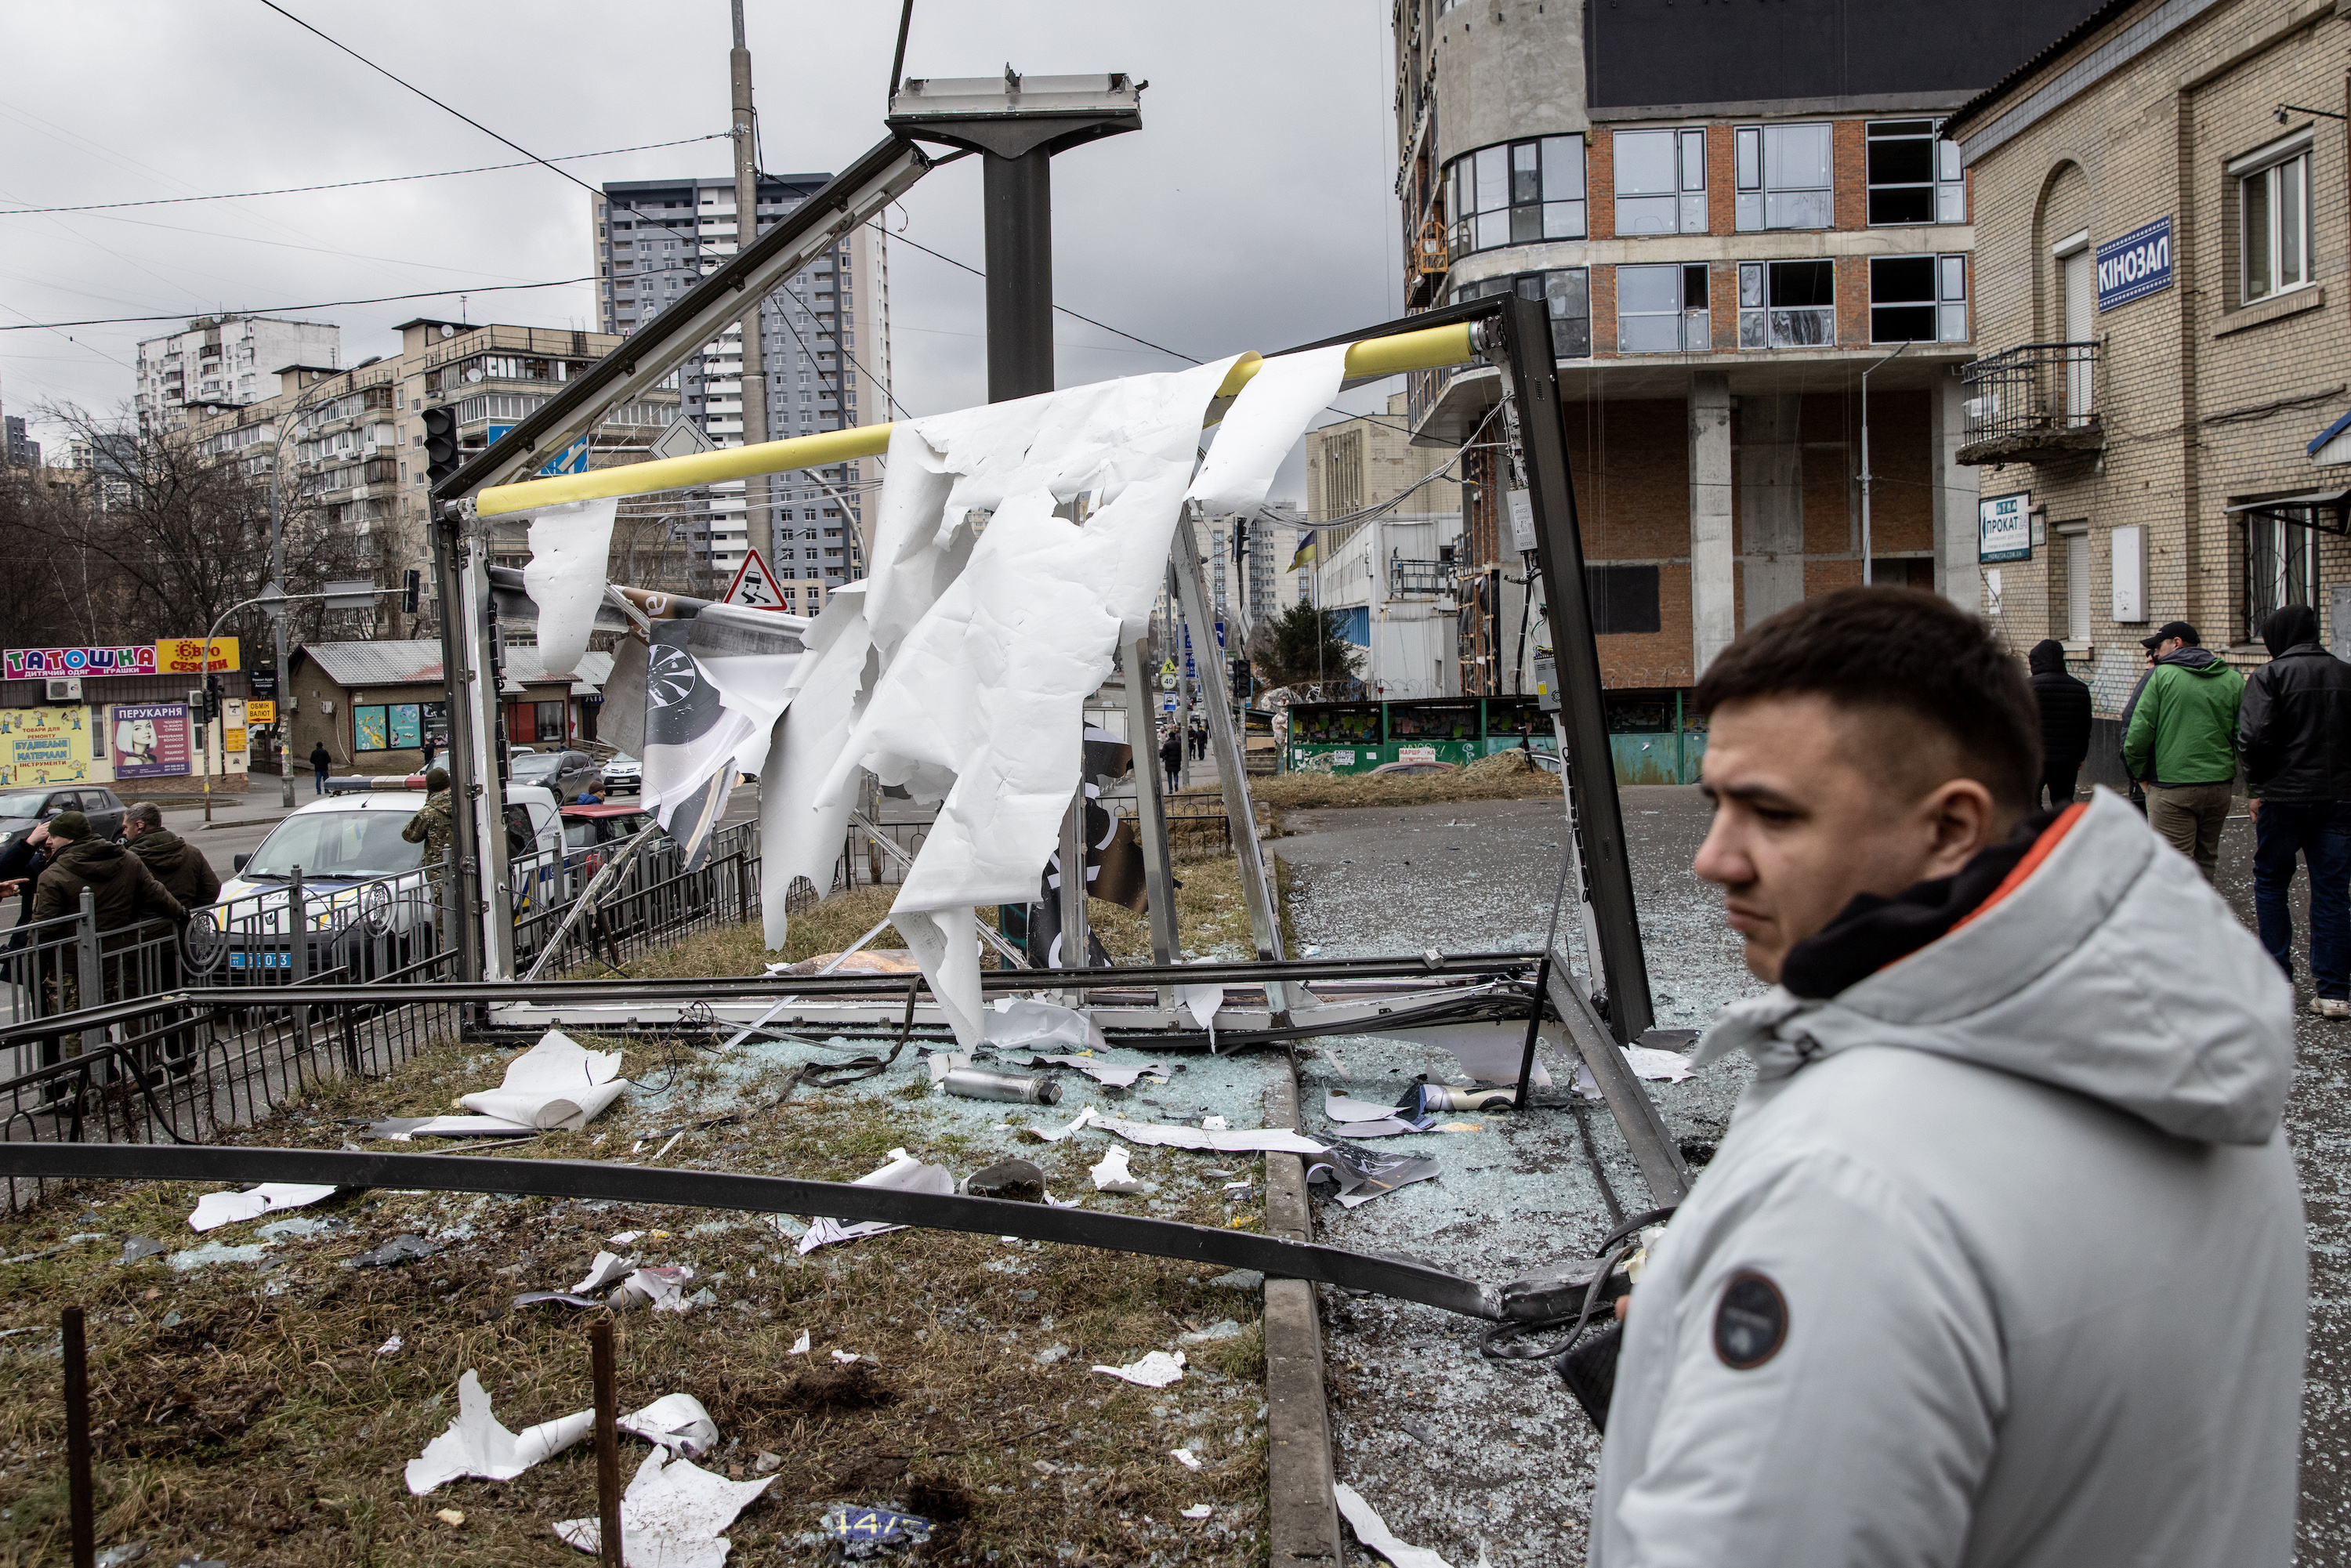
1241,540
441,456
211,699
1241,681
412,597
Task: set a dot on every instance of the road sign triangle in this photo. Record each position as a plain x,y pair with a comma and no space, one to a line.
752,588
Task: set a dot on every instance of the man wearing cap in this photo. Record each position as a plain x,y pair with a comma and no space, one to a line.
178,864
124,891
2181,742
2294,729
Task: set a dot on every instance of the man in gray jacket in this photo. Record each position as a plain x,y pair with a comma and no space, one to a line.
2000,1261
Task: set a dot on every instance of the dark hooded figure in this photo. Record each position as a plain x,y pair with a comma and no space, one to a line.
2294,731
2065,720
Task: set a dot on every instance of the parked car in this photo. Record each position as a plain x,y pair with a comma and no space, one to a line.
366,892
622,775
20,808
1392,768
593,833
566,773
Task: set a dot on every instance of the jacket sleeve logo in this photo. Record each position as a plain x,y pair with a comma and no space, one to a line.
1752,1323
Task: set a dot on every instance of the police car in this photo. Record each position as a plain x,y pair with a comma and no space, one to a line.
366,892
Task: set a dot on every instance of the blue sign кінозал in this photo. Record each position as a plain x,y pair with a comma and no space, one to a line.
2136,265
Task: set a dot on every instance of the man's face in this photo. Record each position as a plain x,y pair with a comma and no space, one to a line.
1811,807
132,827
2169,645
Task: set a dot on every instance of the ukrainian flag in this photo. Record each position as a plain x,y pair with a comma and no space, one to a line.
1305,556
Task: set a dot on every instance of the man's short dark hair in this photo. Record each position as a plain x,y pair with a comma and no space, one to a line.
1902,652
143,811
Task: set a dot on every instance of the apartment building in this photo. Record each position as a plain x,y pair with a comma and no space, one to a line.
1400,570
1732,214
354,438
826,367
2159,414
226,361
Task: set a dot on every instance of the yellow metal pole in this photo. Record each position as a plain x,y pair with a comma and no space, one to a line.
1430,348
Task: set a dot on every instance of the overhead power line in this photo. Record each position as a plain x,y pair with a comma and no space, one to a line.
272,310
348,184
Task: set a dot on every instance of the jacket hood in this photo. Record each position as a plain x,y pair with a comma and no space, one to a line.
2047,658
2195,660
85,857
2112,970
2289,627
155,842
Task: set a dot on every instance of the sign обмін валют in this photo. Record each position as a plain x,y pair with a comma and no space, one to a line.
2136,265
2004,528
149,740
34,663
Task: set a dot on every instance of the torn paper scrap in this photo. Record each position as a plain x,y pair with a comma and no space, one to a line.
555,1083
1263,423
1186,1457
1113,1174
903,1174
1197,1510
1117,1077
676,1422
1374,1532
1489,1053
1362,1175
400,1129
1156,1370
609,1269
671,1516
1346,1108
215,1209
571,546
800,1346
1024,1020
943,1062
664,1287
1055,1135
1646,1062
1167,1136
476,1445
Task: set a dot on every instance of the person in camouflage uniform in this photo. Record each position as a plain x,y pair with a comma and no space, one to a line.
432,826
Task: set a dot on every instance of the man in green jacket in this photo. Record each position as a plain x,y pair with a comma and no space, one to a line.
2181,742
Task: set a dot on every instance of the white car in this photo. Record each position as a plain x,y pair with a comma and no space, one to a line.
361,876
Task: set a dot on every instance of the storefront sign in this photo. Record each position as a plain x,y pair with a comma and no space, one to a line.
2004,528
185,656
44,745
258,711
33,664
2136,265
1416,754
149,740
264,681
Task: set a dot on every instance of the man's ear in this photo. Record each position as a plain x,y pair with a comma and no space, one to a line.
1959,820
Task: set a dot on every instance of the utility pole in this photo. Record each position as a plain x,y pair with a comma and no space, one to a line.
758,517
1866,474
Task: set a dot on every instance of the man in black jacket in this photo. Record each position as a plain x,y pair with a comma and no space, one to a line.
2065,720
2294,731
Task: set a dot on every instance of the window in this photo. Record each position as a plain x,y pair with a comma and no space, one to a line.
1516,193
1787,304
1915,176
2077,582
1919,300
1623,599
1661,182
1783,174
2273,211
2281,565
1567,293
1663,310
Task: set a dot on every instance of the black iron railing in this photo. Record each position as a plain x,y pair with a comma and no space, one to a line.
2035,394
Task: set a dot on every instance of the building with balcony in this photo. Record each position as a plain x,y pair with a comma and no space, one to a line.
826,367
2159,415
353,440
1731,214
223,363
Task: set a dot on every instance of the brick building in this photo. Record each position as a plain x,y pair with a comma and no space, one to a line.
2160,217
1733,215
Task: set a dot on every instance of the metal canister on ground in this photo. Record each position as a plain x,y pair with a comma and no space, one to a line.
1428,1098
979,1083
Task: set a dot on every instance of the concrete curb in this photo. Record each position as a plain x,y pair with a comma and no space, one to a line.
1302,1512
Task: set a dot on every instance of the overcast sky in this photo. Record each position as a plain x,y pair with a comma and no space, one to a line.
1254,210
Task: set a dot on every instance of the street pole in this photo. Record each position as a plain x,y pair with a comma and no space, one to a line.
758,514
1866,474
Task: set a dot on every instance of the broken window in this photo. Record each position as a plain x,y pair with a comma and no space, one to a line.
1787,304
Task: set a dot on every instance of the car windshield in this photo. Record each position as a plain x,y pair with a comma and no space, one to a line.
537,765
336,844
23,805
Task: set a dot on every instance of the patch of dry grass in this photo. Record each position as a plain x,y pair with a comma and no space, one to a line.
1505,776
245,1414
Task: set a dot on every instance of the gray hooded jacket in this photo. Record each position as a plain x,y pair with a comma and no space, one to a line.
2030,1250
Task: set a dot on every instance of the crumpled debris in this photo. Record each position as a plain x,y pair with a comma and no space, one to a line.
609,1269
1186,1457
676,1422
1156,1370
1197,1510
1160,1134
1362,1175
398,1250
390,1347
1373,1532
800,1346
215,1209
865,1532
1116,1077
903,1174
556,1084
1646,1062
1026,1020
1113,1174
671,1516
477,1444
664,1287
140,1247
1016,1181
1222,1328
536,1298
